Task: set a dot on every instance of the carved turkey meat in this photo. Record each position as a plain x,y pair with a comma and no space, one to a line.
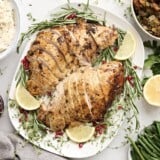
60,61
59,51
84,96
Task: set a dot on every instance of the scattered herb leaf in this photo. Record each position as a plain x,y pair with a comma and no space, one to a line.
153,60
30,17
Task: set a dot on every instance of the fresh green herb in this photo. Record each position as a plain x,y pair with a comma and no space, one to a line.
13,103
35,130
153,60
60,19
30,17
1,73
127,12
2,70
147,145
132,88
121,2
22,76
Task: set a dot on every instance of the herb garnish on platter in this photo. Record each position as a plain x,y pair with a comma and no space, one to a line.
132,87
153,60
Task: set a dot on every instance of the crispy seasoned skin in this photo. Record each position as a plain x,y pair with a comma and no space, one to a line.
84,96
59,51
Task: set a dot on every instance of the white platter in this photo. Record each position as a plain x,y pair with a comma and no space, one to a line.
70,149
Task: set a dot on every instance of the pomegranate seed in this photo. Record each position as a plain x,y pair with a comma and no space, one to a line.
72,16
94,123
80,145
104,62
20,120
100,128
25,63
137,67
130,80
49,94
58,134
25,113
115,49
120,107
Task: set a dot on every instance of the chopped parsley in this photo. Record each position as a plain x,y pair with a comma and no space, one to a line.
30,17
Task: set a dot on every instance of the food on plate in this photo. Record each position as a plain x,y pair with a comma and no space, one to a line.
127,49
148,14
59,51
25,99
147,145
70,68
83,96
151,90
80,134
7,24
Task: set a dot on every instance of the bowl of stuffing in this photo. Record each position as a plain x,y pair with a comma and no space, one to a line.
147,16
9,26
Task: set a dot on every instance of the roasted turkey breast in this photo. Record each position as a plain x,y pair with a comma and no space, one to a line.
83,96
59,51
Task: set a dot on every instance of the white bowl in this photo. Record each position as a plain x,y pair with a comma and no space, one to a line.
140,26
14,41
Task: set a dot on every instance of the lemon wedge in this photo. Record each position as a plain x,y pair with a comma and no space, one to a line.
127,48
25,99
80,133
151,91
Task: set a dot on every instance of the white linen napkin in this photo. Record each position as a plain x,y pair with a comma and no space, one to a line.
12,147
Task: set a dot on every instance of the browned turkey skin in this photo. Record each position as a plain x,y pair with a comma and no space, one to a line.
59,51
84,96
60,62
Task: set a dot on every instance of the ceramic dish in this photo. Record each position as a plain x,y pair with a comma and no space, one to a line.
68,148
14,40
140,26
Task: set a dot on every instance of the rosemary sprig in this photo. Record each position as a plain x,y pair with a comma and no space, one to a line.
34,129
22,76
61,18
130,92
42,25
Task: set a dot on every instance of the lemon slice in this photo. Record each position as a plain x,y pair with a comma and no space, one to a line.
80,133
127,48
25,99
151,91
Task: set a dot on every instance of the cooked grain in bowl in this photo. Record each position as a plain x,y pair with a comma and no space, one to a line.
7,24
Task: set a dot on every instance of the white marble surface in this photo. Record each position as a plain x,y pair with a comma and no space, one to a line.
39,9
